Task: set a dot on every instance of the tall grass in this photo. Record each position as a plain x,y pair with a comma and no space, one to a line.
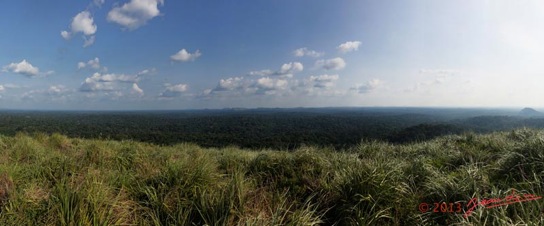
56,180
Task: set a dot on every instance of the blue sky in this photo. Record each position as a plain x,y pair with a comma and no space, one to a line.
165,54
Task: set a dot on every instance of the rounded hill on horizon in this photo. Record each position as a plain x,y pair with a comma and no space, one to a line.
530,112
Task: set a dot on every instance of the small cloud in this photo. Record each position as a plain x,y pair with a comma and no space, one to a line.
268,84
307,52
261,73
65,34
206,93
88,41
23,67
96,83
290,68
147,72
80,65
286,71
12,86
98,2
106,82
83,23
349,46
93,86
229,84
136,90
94,64
135,13
57,90
173,90
323,81
53,93
118,78
367,87
331,64
185,56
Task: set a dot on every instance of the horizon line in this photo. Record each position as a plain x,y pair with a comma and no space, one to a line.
260,108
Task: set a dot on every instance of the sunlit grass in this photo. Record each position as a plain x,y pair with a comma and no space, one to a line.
56,180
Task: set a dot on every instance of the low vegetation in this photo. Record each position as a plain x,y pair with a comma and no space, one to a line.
56,180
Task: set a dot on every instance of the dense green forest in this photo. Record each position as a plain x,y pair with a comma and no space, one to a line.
56,180
340,128
374,166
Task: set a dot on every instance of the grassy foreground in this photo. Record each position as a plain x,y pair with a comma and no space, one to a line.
55,180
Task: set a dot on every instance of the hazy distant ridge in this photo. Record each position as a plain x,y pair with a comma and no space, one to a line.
530,112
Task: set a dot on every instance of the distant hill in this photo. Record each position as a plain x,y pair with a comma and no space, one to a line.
529,112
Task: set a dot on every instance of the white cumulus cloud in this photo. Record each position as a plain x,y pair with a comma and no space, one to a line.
286,71
94,64
23,67
185,56
173,90
92,86
83,23
230,84
99,2
118,78
12,86
323,81
81,65
367,87
57,90
53,93
147,72
96,83
106,82
135,13
290,68
268,83
65,34
331,64
307,52
88,41
265,72
136,90
349,46
278,83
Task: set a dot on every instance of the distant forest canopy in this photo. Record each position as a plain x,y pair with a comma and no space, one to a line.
269,128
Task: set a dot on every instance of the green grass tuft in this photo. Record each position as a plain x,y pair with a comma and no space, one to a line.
56,180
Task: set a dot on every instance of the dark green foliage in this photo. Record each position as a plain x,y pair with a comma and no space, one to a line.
255,129
423,132
283,129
